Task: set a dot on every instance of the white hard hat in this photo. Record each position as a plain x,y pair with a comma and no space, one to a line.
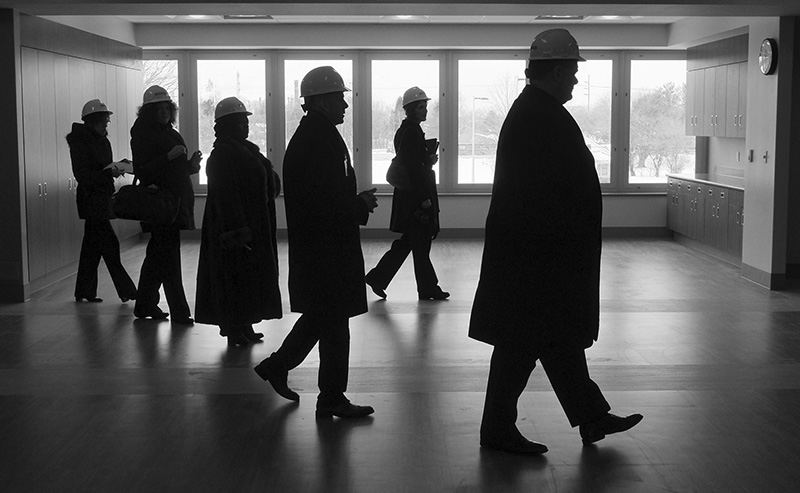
94,106
322,80
155,94
229,106
413,95
555,44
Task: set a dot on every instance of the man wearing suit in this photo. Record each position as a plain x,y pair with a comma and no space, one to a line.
326,266
538,293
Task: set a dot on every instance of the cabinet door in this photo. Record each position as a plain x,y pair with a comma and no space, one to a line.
710,208
735,210
34,197
721,225
682,224
720,95
67,214
708,102
691,101
699,207
49,135
742,99
732,100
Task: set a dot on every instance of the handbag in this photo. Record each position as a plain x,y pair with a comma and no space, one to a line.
397,175
147,204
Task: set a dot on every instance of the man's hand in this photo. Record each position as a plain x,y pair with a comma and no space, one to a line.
194,162
368,196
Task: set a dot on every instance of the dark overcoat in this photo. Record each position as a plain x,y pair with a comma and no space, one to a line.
150,143
90,153
540,274
236,285
409,145
323,214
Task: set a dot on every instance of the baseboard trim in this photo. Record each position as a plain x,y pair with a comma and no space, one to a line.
708,250
13,292
478,233
771,280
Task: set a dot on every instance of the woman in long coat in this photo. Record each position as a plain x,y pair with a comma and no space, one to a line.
90,152
237,275
415,206
160,159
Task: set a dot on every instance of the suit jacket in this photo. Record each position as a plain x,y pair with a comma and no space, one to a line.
323,214
540,272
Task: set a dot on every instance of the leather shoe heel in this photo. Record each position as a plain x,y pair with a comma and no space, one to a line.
95,299
435,296
380,292
237,340
521,446
154,313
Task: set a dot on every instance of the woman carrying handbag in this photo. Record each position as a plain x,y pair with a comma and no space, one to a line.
90,152
415,204
160,159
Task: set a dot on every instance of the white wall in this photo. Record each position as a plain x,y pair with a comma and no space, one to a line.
102,25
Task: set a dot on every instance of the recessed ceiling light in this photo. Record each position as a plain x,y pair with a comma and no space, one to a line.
552,17
403,17
197,17
248,17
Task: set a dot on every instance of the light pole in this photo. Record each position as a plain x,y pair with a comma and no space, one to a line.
474,98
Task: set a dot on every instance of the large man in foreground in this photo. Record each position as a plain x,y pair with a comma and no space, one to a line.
538,295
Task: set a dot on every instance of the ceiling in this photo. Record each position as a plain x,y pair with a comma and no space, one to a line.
398,19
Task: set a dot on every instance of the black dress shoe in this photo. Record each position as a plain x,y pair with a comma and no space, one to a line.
126,299
94,299
182,320
344,409
435,295
276,378
607,425
154,313
519,446
375,288
251,335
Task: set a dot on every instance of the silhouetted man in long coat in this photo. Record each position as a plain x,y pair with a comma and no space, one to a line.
538,294
326,266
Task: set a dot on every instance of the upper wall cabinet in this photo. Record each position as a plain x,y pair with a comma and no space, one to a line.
716,89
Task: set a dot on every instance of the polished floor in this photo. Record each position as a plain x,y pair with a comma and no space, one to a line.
92,401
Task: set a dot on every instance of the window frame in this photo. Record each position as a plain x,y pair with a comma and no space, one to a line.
401,55
274,66
623,161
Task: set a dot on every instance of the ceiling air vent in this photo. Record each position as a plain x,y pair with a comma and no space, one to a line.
247,17
559,17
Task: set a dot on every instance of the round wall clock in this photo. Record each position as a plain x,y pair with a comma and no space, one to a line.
768,56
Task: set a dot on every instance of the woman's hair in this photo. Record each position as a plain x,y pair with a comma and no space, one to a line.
93,119
147,112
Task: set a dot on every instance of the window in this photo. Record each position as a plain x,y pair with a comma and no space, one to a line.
486,91
390,79
162,73
591,107
658,143
294,70
219,79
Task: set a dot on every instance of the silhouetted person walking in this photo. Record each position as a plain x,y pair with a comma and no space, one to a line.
90,152
326,266
415,205
237,273
538,293
160,159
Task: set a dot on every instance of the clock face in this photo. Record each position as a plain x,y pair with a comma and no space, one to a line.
767,56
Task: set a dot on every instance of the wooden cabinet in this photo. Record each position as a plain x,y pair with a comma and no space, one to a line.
54,89
710,214
695,83
736,99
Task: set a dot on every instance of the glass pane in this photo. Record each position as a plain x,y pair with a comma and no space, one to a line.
390,79
486,91
294,70
591,107
659,143
219,79
162,73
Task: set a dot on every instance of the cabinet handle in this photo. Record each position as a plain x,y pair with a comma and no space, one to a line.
722,195
40,189
45,189
69,183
